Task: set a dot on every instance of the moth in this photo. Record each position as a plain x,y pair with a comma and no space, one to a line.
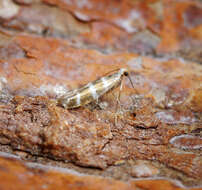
93,91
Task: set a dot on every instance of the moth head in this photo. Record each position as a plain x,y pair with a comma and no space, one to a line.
124,71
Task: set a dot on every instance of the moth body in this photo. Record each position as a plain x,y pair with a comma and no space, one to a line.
92,91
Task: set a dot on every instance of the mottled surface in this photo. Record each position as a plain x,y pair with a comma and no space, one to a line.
154,132
160,110
36,176
144,27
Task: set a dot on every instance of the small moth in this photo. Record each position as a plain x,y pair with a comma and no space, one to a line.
92,91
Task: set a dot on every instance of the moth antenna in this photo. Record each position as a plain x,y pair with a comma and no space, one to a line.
130,81
111,71
132,86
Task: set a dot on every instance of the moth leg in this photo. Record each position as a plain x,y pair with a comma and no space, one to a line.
94,105
118,103
97,102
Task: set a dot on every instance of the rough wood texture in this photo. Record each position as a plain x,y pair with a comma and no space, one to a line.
156,135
